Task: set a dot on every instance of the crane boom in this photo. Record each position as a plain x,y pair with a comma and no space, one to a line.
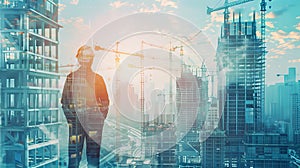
155,45
98,48
226,6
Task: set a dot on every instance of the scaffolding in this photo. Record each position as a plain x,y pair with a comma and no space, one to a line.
240,56
29,76
240,59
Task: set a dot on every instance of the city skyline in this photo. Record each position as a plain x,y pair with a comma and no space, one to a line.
185,88
80,19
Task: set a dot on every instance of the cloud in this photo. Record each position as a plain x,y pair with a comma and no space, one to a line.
298,26
281,36
294,35
61,7
277,51
258,33
270,15
281,31
270,24
273,57
217,17
287,45
284,41
166,3
298,17
294,61
118,4
154,9
74,2
278,36
76,22
273,15
208,26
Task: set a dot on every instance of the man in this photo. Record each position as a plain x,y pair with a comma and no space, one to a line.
85,103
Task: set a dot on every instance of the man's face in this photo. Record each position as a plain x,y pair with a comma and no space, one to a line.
86,57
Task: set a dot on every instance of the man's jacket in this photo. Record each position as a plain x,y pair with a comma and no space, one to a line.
84,89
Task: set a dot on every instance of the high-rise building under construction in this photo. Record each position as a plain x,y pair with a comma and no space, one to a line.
29,83
241,65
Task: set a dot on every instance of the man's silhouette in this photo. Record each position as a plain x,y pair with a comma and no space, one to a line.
85,103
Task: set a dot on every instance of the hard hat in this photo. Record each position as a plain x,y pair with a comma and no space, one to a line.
85,53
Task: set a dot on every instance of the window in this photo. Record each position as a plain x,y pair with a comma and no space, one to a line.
249,28
11,100
53,34
31,100
49,7
53,51
10,82
283,150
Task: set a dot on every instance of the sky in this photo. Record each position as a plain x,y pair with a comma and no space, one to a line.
82,19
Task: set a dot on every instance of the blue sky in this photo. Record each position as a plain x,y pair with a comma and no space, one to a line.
82,18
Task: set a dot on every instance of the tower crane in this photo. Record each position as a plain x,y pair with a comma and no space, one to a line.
66,69
226,11
98,48
263,10
164,48
170,49
226,6
117,63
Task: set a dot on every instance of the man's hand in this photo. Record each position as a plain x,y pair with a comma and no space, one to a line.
103,106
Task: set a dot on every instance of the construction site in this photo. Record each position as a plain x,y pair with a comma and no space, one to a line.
241,63
29,84
195,129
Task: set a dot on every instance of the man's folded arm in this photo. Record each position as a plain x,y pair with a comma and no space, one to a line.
101,92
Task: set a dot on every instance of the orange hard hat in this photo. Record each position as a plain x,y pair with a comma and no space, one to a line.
85,57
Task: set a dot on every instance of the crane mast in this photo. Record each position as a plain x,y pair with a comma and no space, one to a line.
263,10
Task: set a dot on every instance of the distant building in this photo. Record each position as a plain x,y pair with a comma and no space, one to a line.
266,150
159,138
213,152
160,144
213,116
283,104
192,105
279,97
187,155
296,116
29,83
